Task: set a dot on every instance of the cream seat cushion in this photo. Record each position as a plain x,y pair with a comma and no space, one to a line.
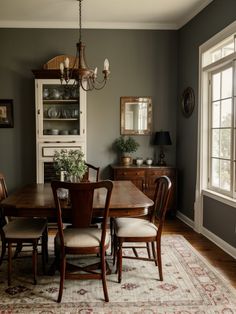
134,227
82,237
25,228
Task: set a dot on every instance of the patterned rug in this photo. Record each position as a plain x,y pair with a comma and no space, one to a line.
190,285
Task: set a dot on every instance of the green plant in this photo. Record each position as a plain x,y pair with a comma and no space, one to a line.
71,162
126,145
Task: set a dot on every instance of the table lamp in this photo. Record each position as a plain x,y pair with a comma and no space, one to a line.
162,138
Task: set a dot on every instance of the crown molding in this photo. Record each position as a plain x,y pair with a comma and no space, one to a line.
88,25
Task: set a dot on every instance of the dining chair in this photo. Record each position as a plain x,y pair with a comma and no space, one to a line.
19,232
149,230
92,174
81,238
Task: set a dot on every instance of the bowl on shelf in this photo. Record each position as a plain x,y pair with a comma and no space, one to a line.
139,161
73,132
149,161
53,131
64,132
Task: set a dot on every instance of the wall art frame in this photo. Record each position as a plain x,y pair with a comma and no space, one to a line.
187,102
6,113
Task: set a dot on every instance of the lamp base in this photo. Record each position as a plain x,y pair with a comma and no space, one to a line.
161,161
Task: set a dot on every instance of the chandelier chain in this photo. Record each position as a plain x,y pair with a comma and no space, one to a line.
80,23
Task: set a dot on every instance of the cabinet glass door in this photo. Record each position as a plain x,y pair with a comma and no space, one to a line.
61,110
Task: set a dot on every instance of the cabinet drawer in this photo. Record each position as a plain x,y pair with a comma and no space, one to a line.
49,151
122,174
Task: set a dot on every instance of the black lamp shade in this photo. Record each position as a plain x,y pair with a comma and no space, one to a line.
162,138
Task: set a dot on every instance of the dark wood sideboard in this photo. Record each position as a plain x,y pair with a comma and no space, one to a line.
144,177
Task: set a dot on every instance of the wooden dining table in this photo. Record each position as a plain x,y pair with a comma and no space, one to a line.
36,200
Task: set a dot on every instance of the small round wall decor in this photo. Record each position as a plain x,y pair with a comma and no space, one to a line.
187,102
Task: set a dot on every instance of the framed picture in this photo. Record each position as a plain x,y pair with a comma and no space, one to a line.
188,102
6,113
135,115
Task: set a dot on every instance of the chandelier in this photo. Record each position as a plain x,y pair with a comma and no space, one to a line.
82,75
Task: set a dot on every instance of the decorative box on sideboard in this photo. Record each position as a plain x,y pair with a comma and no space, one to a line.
144,177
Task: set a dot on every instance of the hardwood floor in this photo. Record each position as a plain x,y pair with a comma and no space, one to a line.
223,262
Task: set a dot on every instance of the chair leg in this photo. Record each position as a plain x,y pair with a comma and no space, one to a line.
158,248
18,249
154,253
3,251
148,250
119,261
62,277
9,263
103,270
34,260
135,252
112,235
44,250
45,240
114,249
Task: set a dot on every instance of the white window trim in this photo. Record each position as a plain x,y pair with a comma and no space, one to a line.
202,150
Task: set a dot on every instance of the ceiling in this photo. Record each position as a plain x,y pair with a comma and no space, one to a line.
110,14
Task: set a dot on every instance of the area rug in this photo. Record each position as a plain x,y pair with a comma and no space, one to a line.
191,285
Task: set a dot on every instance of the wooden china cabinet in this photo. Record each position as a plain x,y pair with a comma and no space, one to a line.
60,114
144,177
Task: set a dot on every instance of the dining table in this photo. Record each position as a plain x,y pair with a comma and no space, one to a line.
36,200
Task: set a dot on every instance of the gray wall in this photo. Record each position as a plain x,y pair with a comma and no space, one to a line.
143,63
225,222
206,24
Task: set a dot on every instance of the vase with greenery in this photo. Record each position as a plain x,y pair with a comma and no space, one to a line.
70,163
126,146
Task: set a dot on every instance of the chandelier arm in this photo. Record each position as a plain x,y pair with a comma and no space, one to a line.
90,88
99,88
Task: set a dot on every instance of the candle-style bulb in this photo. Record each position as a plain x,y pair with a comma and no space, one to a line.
62,67
95,72
106,65
67,62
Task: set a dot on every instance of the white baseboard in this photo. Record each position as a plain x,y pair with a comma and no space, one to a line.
219,242
185,219
226,247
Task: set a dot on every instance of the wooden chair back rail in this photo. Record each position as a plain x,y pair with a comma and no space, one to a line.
88,174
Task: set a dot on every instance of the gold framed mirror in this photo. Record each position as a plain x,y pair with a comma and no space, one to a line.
135,115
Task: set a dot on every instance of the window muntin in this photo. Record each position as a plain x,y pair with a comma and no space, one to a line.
222,131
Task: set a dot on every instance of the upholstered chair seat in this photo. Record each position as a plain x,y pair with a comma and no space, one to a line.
84,237
26,228
134,227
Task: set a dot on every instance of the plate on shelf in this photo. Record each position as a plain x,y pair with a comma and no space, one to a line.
53,113
66,114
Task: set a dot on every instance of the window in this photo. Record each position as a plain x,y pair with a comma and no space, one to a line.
218,130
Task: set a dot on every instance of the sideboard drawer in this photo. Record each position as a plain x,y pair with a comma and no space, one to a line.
127,173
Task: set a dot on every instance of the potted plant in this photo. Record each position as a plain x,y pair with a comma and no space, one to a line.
70,164
126,146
